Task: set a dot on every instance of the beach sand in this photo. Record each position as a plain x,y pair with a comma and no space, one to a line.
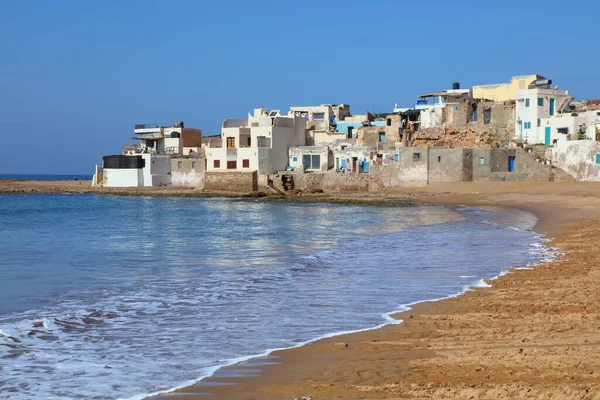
534,334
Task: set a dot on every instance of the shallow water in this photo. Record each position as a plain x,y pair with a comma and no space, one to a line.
114,297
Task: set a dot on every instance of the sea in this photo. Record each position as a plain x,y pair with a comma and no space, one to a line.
47,177
121,297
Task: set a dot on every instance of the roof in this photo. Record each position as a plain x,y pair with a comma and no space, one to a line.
444,94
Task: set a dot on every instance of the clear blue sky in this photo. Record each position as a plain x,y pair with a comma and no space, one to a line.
75,76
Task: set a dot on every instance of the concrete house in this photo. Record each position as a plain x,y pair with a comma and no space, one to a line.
580,125
504,91
133,170
259,143
432,105
535,103
149,163
170,140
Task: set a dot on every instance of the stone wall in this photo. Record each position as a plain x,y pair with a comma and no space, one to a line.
450,165
231,181
577,158
188,171
370,135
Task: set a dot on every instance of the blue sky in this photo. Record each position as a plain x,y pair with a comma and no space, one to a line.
75,76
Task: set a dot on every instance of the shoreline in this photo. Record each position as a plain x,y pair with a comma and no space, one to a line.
203,386
419,359
273,380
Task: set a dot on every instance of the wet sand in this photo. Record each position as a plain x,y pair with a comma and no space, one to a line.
535,334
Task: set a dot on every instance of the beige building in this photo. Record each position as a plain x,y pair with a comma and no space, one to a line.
504,91
259,143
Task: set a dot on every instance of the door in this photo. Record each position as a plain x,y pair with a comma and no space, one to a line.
511,163
343,163
350,129
552,106
547,136
382,137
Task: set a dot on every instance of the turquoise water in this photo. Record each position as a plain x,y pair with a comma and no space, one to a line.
114,297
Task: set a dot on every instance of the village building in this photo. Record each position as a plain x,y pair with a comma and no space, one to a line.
259,143
582,125
499,92
171,140
149,162
538,101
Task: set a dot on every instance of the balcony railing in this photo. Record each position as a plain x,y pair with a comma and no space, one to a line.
146,126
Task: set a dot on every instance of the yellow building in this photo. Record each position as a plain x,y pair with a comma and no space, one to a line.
504,91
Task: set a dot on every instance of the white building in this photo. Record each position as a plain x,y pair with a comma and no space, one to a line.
173,140
571,126
259,143
431,105
133,170
534,104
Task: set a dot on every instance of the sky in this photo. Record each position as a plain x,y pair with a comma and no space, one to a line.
76,76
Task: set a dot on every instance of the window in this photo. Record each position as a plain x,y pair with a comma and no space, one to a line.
487,116
217,163
456,108
382,137
179,164
193,164
311,161
231,164
246,163
295,159
540,102
231,143
539,122
416,156
526,102
598,158
439,158
481,160
319,116
526,125
474,112
564,131
389,122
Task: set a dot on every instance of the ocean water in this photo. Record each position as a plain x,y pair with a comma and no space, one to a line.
114,297
47,177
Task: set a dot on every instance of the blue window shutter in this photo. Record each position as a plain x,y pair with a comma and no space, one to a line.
598,158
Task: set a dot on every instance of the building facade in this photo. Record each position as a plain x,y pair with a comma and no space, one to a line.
532,106
259,143
504,91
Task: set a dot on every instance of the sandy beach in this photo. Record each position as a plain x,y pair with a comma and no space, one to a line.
534,334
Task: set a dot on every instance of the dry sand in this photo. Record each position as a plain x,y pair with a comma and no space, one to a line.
535,334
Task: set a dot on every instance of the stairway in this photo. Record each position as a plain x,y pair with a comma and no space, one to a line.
274,189
564,104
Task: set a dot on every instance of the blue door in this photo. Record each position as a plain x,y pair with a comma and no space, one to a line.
343,163
365,166
547,136
552,107
382,137
511,163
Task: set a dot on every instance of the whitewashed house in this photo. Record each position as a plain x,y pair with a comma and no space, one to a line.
259,143
534,104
